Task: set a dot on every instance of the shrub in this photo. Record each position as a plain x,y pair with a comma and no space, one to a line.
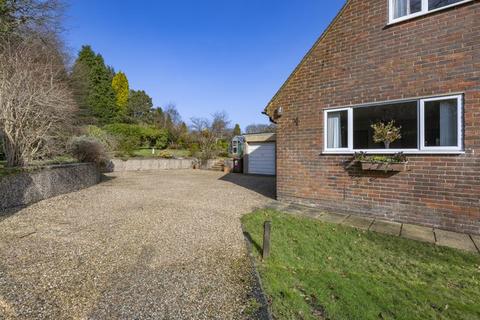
128,136
166,154
107,139
394,158
88,149
154,137
222,148
133,136
194,149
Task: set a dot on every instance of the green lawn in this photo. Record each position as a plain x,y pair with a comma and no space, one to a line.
323,271
147,153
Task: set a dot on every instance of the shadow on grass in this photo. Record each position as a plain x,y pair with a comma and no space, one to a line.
264,185
255,244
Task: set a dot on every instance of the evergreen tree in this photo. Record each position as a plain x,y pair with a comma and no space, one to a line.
101,97
80,79
237,131
92,80
121,88
139,105
158,117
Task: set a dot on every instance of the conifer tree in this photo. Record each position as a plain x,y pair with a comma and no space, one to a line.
92,82
121,88
139,105
237,131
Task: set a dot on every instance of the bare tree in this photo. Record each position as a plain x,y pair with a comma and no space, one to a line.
204,136
20,17
172,112
261,128
210,134
220,124
35,100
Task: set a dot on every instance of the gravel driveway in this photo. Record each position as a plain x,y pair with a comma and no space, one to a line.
155,245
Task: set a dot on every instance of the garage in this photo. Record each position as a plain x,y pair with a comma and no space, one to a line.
261,158
254,153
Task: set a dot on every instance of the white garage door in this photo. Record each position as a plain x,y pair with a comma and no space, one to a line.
261,158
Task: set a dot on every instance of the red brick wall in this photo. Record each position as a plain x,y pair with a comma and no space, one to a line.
362,60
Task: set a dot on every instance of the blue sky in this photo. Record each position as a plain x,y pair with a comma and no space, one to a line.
204,56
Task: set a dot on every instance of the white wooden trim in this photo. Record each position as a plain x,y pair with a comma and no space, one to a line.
459,145
400,100
424,11
350,131
394,151
422,149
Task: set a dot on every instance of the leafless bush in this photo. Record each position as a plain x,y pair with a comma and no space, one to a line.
36,104
24,17
88,149
205,137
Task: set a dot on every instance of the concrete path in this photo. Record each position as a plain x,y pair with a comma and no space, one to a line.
445,238
146,245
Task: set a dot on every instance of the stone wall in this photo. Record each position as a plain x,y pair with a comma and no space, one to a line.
119,165
29,187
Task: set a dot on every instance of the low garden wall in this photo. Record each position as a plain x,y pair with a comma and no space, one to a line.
119,165
29,187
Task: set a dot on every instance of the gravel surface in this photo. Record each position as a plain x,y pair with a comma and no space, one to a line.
141,245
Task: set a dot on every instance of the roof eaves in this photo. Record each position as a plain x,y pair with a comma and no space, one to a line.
308,54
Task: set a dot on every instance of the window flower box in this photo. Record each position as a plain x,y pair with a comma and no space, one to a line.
383,166
387,163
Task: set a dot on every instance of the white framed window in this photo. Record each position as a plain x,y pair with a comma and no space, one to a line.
441,123
426,125
400,10
337,124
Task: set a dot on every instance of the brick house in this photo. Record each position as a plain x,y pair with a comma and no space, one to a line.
416,62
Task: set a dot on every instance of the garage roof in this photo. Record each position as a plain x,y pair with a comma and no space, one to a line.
260,137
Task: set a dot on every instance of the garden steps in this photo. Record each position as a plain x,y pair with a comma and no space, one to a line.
218,166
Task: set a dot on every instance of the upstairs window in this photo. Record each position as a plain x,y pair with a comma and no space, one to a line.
431,125
405,9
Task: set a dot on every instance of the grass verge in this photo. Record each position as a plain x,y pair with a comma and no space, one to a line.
323,271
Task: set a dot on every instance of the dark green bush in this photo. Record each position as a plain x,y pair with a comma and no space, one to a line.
194,149
154,137
222,148
133,136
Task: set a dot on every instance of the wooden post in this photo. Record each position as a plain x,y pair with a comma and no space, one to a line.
266,239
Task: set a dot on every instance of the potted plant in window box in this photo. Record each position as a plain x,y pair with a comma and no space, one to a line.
397,162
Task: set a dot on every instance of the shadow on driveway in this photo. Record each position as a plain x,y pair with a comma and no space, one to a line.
264,185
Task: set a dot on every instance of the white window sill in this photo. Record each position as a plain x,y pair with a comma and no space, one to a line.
426,152
424,13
